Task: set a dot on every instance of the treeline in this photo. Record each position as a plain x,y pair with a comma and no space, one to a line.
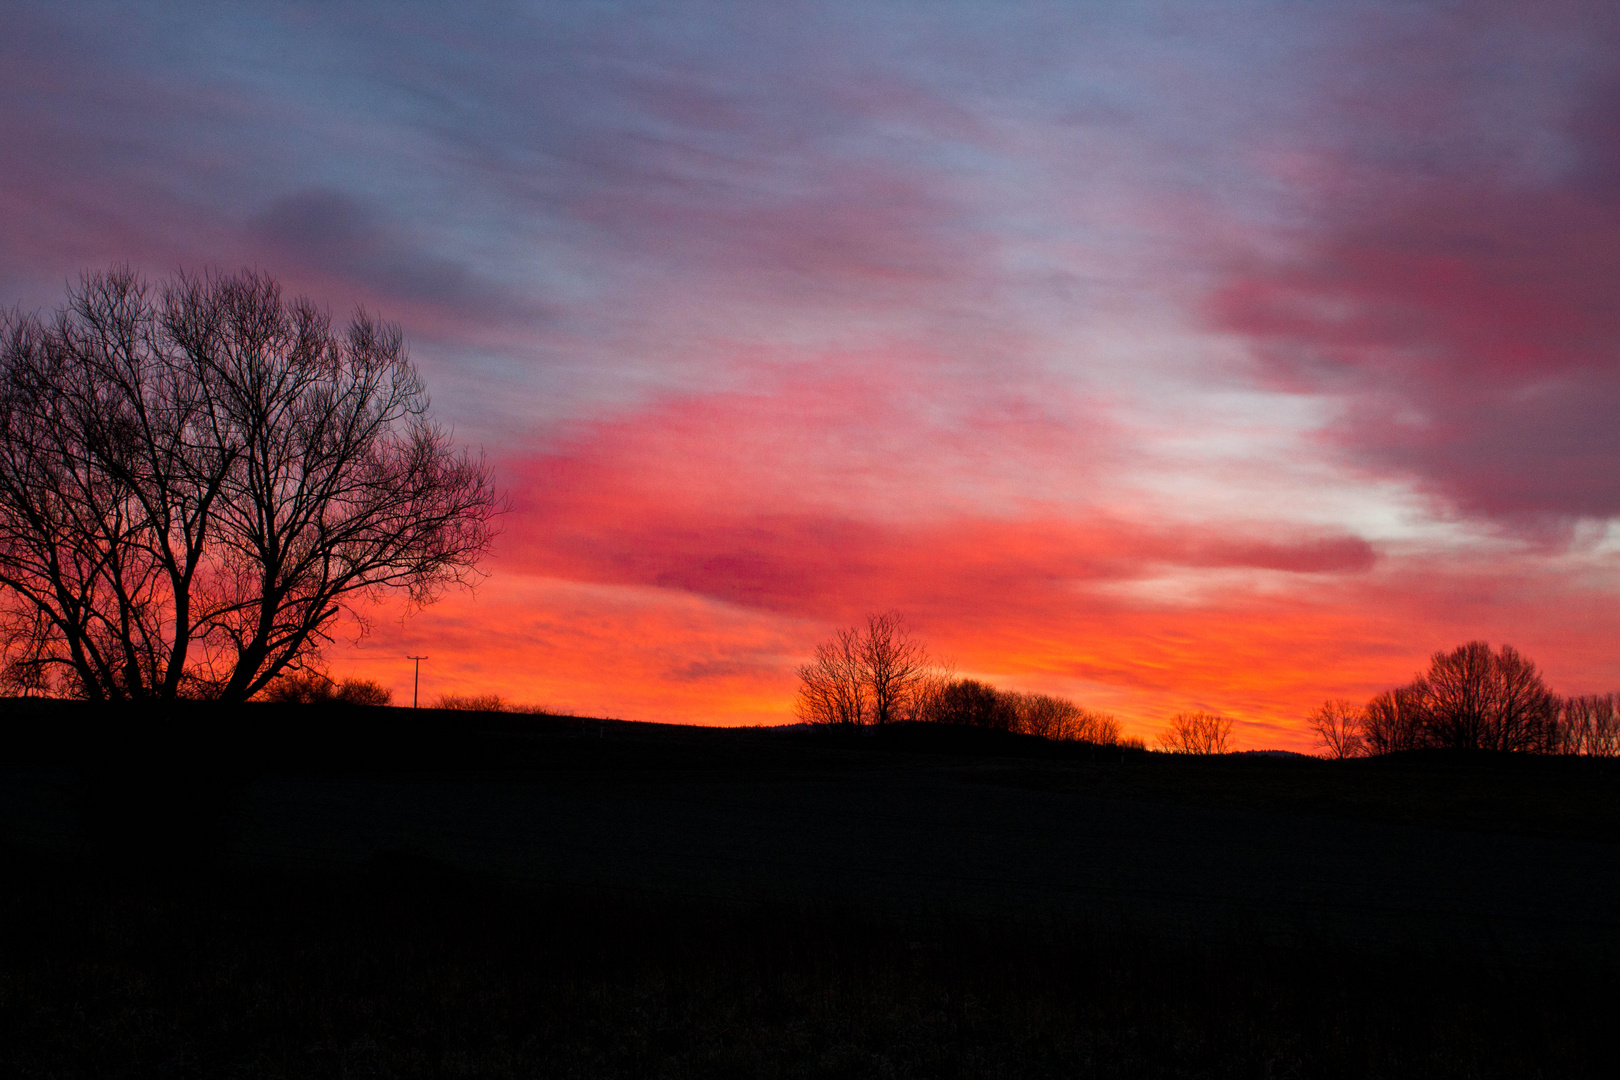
313,687
1472,698
880,674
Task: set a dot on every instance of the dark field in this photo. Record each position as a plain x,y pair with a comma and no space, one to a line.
298,893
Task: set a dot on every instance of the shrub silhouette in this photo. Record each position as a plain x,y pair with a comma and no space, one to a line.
472,702
1058,718
315,688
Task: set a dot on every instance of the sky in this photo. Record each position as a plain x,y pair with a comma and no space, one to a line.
1227,356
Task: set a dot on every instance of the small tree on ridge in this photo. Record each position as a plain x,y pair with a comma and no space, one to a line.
876,674
1338,727
1196,733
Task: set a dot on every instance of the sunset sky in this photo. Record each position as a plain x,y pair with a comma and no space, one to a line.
1228,355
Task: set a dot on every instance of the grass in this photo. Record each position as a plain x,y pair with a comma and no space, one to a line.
405,968
661,940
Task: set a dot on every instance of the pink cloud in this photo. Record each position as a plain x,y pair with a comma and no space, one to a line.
1453,286
823,489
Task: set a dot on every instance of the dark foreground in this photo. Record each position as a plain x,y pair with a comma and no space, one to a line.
397,895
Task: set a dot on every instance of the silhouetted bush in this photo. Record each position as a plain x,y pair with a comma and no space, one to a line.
314,688
1058,718
486,703
881,673
472,702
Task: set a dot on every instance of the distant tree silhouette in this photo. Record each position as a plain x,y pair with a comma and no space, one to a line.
1058,718
832,687
1589,725
880,674
895,666
1196,733
1394,720
364,692
300,688
195,480
876,674
1477,699
971,703
1470,698
1338,726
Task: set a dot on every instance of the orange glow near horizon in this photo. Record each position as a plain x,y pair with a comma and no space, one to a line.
648,654
635,583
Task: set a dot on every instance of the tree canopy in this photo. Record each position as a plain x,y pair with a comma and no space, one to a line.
197,478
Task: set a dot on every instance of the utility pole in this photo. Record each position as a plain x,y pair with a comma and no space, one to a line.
416,682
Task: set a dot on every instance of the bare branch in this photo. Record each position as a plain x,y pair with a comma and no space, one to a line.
195,481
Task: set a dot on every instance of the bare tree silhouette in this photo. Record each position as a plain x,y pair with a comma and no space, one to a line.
876,674
318,688
196,479
1394,720
1589,725
832,687
880,674
971,703
895,665
1058,718
1196,733
1338,727
1471,698
1480,700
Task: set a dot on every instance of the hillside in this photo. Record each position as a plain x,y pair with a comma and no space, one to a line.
724,864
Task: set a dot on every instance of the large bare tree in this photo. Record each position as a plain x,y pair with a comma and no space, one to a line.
197,479
1484,700
1471,698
